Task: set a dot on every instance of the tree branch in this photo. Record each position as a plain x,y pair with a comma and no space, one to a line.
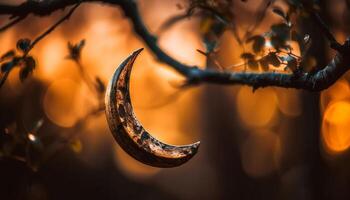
53,27
38,39
312,82
326,31
11,23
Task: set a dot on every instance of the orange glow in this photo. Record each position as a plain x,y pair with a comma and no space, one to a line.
107,43
336,126
61,103
109,40
186,41
338,92
7,40
131,167
336,122
289,102
261,154
256,109
14,82
51,56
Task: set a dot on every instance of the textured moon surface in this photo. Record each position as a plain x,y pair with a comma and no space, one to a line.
128,131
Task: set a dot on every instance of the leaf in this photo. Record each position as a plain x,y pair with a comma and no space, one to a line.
258,43
280,35
281,30
278,43
218,27
253,64
250,60
27,69
272,59
8,55
278,11
210,45
24,73
75,50
23,45
7,66
247,56
30,62
292,62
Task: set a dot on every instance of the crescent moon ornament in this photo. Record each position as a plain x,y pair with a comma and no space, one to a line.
128,131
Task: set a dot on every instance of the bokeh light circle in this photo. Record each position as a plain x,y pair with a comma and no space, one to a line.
336,126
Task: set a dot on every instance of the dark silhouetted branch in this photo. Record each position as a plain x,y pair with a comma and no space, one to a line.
326,31
36,40
313,82
11,23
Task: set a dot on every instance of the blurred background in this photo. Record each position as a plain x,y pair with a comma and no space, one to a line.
269,144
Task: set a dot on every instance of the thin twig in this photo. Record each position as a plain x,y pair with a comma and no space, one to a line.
326,31
313,82
260,16
11,23
39,38
53,27
86,78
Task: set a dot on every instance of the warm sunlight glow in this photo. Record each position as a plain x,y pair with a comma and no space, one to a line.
336,121
338,92
336,126
61,103
52,56
289,102
131,167
256,109
261,153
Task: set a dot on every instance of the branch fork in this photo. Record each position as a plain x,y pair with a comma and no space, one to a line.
316,81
